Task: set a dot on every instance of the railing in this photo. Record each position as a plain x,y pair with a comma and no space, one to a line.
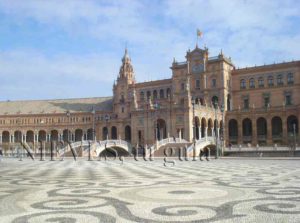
209,139
263,148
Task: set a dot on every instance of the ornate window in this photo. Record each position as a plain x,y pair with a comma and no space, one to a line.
270,81
290,78
279,80
252,83
261,82
243,84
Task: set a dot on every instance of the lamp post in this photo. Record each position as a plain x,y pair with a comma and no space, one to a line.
106,120
194,135
68,115
223,128
94,130
216,135
295,140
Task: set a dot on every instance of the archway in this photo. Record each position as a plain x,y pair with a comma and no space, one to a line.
128,133
276,127
104,133
5,137
54,135
247,130
90,134
66,135
233,131
18,136
78,135
261,125
42,135
161,129
197,125
292,125
210,127
30,136
114,132
203,126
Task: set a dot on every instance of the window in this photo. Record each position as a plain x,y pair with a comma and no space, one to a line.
252,83
270,81
182,86
142,96
261,82
122,109
214,83
279,80
154,94
246,103
243,84
288,99
290,78
266,101
197,84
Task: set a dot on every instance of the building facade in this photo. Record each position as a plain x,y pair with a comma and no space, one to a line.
206,96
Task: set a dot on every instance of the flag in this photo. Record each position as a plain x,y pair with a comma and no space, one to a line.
199,33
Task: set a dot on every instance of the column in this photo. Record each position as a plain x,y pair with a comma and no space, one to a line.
218,132
1,138
24,138
213,132
269,131
49,138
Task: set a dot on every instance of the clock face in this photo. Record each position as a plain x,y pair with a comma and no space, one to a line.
198,68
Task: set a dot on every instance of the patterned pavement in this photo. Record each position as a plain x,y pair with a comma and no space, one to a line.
224,190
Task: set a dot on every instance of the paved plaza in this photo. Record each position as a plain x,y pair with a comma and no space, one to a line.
224,190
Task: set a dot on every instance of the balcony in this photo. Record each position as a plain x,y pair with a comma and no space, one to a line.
262,137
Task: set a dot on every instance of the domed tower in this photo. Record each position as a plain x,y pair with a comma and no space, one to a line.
126,72
123,87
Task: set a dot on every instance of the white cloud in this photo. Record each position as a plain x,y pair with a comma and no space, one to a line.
251,32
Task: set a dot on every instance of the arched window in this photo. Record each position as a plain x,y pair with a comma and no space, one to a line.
243,84
261,82
252,83
214,82
270,81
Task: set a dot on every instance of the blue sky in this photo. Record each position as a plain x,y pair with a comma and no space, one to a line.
73,48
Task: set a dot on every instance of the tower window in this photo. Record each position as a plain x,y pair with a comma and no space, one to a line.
214,83
198,84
